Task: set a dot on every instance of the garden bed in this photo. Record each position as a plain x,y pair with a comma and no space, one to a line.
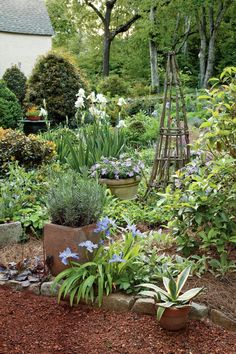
96,331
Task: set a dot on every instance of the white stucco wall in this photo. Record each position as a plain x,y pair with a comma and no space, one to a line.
22,50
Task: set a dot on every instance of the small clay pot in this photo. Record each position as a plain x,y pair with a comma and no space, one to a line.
174,319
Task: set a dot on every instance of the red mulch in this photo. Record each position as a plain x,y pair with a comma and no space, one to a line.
37,325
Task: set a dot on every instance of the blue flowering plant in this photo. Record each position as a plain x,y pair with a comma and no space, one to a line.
113,259
113,168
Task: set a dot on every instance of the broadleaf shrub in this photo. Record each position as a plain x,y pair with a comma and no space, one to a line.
10,109
16,82
57,81
113,86
29,151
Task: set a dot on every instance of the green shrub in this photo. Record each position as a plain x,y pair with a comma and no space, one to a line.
10,109
16,82
29,151
141,129
75,202
113,86
22,195
57,81
145,104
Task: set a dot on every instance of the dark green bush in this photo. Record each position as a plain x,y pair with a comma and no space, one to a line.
75,202
113,86
57,81
10,109
16,82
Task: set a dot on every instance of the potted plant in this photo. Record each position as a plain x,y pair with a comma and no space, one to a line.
173,306
33,113
122,176
75,204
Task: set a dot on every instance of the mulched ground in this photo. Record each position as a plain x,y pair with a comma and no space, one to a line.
31,324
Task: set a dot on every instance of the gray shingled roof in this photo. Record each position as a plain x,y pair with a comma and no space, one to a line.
25,16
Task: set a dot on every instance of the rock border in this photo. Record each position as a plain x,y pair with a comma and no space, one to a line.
122,303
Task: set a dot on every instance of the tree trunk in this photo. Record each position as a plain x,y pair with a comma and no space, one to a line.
210,61
106,55
203,46
154,67
155,84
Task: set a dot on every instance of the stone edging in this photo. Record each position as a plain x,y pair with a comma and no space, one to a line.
122,303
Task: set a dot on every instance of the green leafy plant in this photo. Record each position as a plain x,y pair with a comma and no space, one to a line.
75,201
110,262
22,197
113,168
172,295
10,110
30,151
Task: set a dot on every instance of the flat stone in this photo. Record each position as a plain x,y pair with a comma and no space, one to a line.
46,289
17,285
34,288
10,233
198,311
25,284
223,320
145,306
117,302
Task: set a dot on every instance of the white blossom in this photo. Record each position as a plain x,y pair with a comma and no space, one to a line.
121,102
121,124
43,112
92,97
81,93
80,102
101,98
94,111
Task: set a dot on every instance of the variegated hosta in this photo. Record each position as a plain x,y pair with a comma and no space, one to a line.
172,296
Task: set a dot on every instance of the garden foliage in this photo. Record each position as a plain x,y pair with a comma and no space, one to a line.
30,151
10,110
16,82
74,201
57,81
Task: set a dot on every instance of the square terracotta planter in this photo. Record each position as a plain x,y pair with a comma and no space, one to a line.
57,238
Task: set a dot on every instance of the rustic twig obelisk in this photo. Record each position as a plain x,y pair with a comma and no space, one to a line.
172,149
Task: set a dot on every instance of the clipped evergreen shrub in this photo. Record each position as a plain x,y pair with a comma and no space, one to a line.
113,86
57,81
16,82
10,109
29,151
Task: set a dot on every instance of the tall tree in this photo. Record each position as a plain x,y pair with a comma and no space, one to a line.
104,13
153,51
209,17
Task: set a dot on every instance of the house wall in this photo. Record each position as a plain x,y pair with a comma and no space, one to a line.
21,50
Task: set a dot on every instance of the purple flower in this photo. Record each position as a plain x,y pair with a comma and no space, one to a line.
103,171
117,258
133,229
130,174
90,246
67,253
104,225
136,169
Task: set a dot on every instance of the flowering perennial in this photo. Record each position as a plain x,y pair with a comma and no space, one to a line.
113,168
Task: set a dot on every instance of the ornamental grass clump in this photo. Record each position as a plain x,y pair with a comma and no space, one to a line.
113,168
75,201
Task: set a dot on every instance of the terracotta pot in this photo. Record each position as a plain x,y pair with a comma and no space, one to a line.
34,118
123,188
174,318
57,238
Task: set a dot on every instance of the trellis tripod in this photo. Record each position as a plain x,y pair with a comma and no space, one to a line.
172,148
